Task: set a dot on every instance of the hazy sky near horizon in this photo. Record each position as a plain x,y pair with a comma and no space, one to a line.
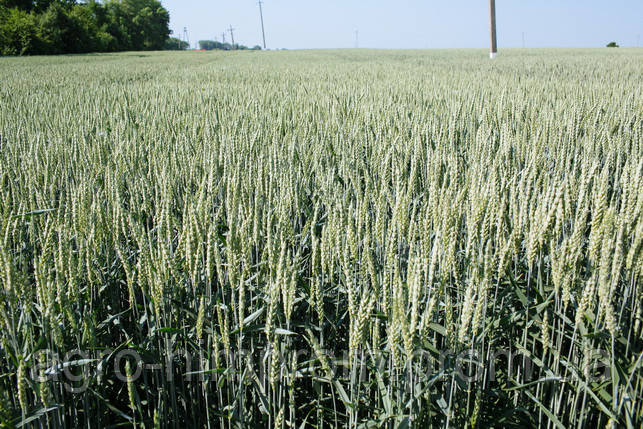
305,24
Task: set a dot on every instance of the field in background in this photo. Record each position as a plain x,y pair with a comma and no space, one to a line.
322,238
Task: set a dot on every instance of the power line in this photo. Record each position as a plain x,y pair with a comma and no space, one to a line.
263,31
492,19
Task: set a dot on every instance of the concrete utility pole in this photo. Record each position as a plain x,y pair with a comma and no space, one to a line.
492,17
185,35
231,30
263,31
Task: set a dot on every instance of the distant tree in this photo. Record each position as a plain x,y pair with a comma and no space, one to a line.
612,45
209,45
175,44
255,48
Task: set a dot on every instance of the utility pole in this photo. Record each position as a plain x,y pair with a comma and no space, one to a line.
492,18
263,31
223,37
231,30
523,40
185,35
356,39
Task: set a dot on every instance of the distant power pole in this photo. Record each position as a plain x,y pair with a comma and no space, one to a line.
492,18
231,30
263,31
223,37
185,35
356,39
523,40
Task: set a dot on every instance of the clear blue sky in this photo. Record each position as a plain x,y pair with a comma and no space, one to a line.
302,24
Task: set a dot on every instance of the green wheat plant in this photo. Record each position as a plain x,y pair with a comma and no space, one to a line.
322,239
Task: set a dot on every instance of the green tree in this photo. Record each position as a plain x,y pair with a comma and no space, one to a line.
53,31
153,21
139,24
20,4
43,5
612,45
67,26
68,30
95,37
209,45
18,32
175,44
36,5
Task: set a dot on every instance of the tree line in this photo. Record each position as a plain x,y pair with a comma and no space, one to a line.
210,45
31,27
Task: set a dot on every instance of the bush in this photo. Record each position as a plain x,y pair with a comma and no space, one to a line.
612,45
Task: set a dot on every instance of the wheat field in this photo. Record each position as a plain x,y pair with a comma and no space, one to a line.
322,239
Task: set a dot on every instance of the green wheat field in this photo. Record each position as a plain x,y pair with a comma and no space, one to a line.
322,239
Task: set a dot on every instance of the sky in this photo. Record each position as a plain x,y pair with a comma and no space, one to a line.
411,24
